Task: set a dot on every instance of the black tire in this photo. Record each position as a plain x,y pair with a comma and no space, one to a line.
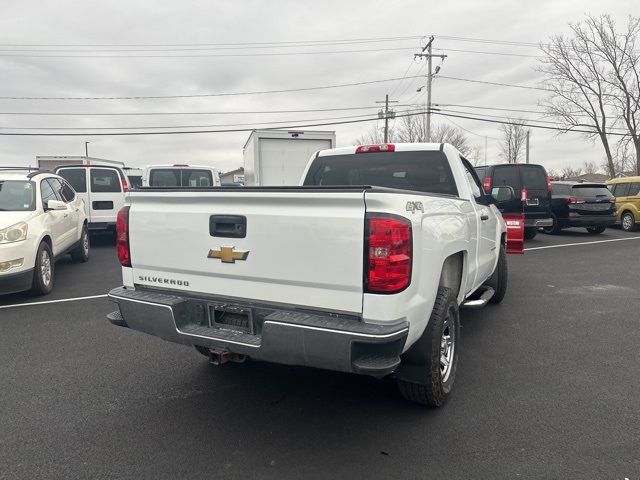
530,233
499,277
81,253
436,388
596,230
43,273
554,229
627,222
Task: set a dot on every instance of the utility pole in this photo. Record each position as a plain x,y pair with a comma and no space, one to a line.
429,56
527,147
485,150
386,114
86,149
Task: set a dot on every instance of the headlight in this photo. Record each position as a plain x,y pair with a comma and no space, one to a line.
14,233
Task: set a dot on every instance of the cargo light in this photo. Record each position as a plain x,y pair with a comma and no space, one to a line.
180,165
122,237
487,184
574,200
381,147
388,254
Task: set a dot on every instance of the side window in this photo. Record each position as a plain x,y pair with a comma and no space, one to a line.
634,189
472,179
56,185
46,192
77,177
621,189
67,192
104,180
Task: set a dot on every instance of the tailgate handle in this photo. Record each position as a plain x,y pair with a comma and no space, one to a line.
228,226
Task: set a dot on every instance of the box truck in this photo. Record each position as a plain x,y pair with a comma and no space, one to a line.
279,157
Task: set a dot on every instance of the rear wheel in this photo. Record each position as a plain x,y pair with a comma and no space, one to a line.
437,353
530,233
627,222
81,253
553,229
42,283
596,230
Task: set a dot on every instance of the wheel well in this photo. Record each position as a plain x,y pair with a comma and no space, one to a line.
628,211
451,276
47,239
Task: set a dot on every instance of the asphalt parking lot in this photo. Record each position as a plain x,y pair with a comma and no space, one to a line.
547,387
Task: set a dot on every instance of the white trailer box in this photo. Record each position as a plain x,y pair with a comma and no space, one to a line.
51,162
278,157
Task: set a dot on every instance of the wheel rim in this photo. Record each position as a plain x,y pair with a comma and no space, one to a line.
85,244
45,267
447,347
627,222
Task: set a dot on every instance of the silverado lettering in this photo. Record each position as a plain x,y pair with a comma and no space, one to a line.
166,281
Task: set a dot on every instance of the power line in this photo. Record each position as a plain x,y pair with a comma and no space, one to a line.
293,124
203,95
208,55
469,131
493,83
249,44
487,53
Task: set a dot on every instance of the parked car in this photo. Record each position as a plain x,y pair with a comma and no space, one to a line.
102,188
529,180
180,175
627,193
41,219
330,274
589,205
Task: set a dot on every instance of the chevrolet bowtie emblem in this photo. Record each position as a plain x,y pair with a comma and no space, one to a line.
227,255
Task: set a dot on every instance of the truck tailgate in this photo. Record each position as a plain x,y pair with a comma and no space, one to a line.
301,248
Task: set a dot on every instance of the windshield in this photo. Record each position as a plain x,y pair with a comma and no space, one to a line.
180,177
17,196
422,171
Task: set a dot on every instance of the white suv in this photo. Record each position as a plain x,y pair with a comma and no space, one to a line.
41,219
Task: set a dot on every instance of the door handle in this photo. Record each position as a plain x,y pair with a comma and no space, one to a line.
484,217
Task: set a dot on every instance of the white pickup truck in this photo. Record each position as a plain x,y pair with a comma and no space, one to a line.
360,269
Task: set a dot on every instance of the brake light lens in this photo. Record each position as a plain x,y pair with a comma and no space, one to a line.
574,200
388,254
125,185
612,199
122,237
382,147
549,182
487,184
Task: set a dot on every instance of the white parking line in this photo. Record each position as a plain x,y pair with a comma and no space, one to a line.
75,299
582,243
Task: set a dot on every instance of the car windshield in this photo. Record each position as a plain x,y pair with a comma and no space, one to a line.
17,196
422,171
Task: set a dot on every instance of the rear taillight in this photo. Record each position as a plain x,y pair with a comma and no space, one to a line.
549,182
612,199
487,184
122,237
382,147
125,185
388,254
574,200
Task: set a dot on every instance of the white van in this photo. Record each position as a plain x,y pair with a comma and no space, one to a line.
103,189
180,175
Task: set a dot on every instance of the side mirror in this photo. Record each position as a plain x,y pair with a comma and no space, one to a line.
502,194
54,205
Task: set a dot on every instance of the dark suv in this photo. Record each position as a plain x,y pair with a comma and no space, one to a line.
521,177
589,205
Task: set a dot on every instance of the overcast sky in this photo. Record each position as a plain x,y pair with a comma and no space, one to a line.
134,22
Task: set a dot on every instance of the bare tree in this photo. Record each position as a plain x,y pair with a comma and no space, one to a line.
589,167
514,137
577,84
618,51
570,172
413,128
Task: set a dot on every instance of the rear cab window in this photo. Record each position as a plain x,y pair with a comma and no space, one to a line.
105,180
180,177
420,171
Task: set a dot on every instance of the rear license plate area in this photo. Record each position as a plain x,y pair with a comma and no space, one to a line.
231,317
533,202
